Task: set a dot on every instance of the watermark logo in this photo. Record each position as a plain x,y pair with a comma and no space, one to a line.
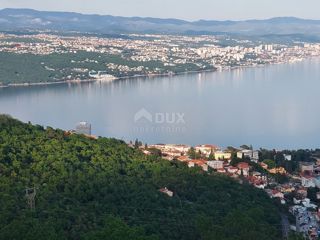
143,114
160,117
165,122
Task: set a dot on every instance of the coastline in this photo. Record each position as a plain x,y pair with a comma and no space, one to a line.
45,83
13,85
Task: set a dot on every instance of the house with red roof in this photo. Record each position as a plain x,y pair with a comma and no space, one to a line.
183,159
221,170
243,168
198,162
231,169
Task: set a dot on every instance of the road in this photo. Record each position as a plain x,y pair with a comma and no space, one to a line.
285,226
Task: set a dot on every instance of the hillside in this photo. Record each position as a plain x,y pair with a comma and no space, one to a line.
103,189
28,19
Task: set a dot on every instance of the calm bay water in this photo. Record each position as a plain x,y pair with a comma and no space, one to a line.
274,106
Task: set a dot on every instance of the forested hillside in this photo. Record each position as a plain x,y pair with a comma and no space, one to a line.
102,189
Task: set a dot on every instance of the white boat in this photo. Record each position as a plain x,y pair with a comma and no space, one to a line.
101,76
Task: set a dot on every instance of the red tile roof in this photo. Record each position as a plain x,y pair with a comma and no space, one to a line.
183,158
243,165
199,162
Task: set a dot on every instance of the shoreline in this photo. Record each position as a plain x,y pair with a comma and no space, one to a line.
14,85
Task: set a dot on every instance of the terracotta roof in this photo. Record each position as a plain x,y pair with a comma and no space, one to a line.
243,165
262,164
183,158
221,170
207,146
274,192
232,168
199,162
306,175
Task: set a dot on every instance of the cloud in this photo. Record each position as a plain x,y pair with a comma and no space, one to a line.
39,21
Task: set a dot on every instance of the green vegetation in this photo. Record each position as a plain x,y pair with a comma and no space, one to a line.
193,154
29,68
276,158
271,163
102,189
294,236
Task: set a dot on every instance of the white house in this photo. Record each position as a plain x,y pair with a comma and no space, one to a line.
206,149
308,181
166,191
253,155
215,164
287,157
306,167
177,147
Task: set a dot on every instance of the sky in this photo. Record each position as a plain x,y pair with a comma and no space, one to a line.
181,9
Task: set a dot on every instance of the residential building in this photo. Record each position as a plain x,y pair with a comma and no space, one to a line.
243,168
307,181
206,149
277,194
251,154
263,165
183,159
166,191
171,153
232,170
306,221
200,163
279,170
83,128
215,164
287,157
220,155
221,170
306,167
177,147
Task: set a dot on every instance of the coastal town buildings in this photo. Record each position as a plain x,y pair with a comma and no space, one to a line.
293,193
253,155
83,128
131,56
221,155
215,164
207,149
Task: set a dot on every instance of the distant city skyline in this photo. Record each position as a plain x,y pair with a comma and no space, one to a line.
180,9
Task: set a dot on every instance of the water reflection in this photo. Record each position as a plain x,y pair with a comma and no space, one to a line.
275,106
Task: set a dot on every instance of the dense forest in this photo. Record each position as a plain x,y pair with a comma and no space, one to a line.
91,189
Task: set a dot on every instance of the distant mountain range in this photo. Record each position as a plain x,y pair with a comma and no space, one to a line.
28,19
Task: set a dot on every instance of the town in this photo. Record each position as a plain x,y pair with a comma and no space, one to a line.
77,57
290,178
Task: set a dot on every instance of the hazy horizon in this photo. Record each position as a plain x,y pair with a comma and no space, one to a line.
179,9
188,20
